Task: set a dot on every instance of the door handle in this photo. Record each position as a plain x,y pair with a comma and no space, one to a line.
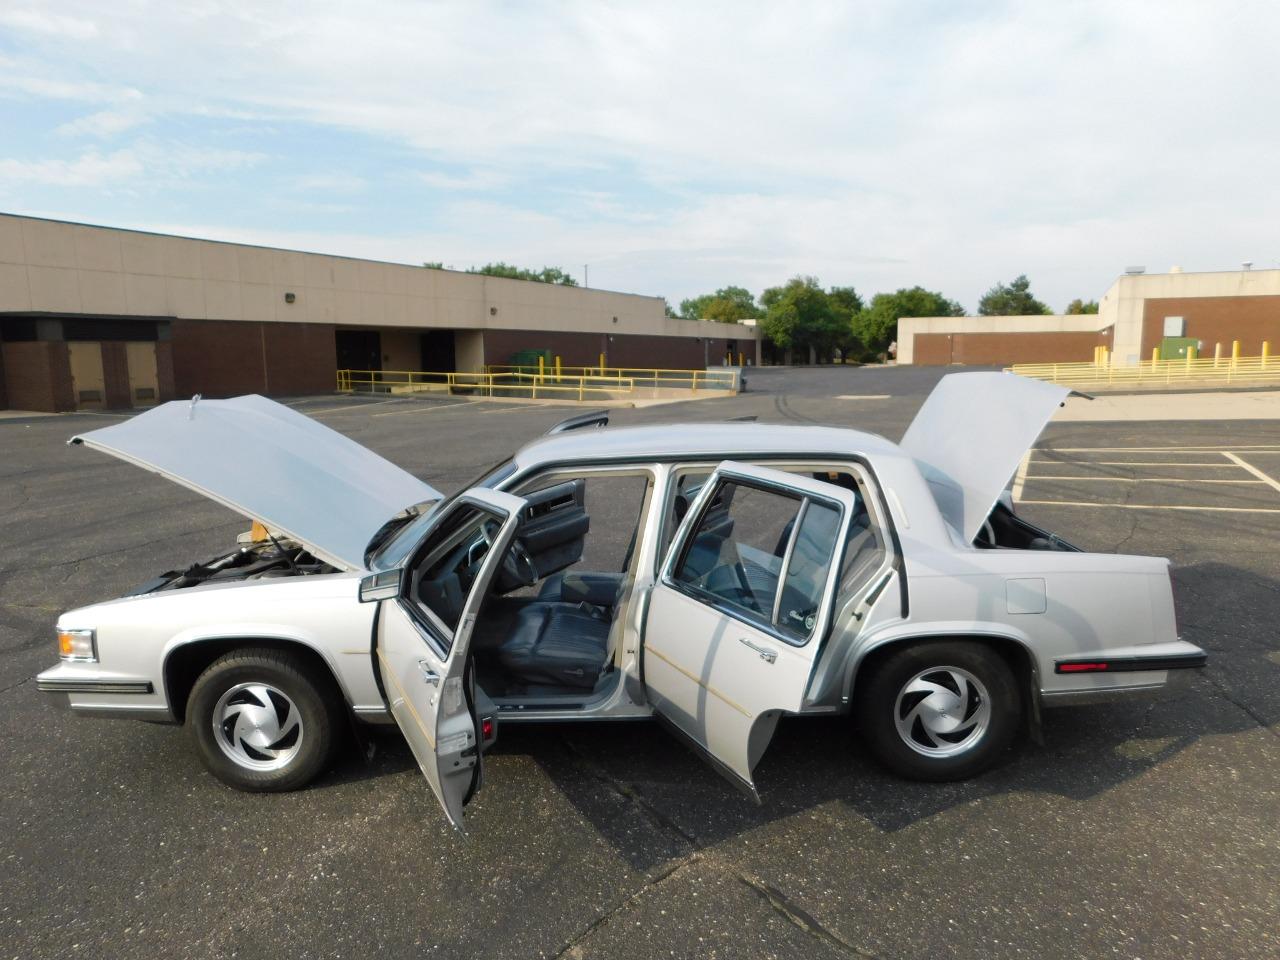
765,654
428,675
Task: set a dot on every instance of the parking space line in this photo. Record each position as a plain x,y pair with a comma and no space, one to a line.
862,396
349,408
1203,448
1149,506
1129,463
1020,478
427,409
1269,481
1145,480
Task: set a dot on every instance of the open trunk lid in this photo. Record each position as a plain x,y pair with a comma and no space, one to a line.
970,435
273,464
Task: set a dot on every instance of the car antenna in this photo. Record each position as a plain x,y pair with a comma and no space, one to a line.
191,411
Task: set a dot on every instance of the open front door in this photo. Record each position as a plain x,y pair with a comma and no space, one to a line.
741,609
424,635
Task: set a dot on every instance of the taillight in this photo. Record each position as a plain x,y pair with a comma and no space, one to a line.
486,728
1095,667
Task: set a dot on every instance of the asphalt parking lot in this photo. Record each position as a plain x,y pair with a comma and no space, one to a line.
1144,829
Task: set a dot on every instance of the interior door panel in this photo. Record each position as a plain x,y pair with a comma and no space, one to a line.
553,529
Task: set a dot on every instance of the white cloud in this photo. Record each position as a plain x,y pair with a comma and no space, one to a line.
104,123
90,169
50,24
146,162
873,143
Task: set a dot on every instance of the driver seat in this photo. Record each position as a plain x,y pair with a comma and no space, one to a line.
556,644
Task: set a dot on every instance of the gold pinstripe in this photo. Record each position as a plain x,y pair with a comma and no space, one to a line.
712,690
391,674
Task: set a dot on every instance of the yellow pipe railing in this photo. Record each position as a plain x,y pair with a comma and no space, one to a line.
1203,370
642,376
518,384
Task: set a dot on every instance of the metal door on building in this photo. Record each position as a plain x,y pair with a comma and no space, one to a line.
144,380
88,383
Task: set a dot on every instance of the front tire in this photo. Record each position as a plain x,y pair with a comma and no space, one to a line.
263,720
939,710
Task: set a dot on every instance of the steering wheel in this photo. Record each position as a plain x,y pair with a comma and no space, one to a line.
518,566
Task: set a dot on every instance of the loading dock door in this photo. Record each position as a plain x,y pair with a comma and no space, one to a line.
144,383
87,380
359,349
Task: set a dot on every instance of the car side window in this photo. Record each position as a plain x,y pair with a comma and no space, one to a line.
442,577
806,574
746,552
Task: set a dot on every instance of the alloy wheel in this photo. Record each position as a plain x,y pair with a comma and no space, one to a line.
942,712
257,726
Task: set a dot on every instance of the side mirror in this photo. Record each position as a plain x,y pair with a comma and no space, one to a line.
380,586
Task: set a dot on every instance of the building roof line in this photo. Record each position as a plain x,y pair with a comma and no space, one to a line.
313,253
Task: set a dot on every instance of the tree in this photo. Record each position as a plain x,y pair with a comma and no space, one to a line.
877,325
434,265
845,301
545,275
1011,300
667,309
726,305
799,314
1078,306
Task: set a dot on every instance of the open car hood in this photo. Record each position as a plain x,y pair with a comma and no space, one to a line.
272,464
970,435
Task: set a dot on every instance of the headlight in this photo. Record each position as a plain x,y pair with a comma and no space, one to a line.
77,645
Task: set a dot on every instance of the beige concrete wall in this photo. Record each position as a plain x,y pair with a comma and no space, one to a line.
401,349
57,267
468,351
909,327
1124,303
1121,308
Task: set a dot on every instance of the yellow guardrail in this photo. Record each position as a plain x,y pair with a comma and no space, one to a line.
1200,370
642,376
509,384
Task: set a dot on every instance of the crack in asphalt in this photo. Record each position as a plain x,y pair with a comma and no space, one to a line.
800,918
15,686
571,949
1248,710
778,901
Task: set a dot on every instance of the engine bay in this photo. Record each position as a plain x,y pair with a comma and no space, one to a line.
258,560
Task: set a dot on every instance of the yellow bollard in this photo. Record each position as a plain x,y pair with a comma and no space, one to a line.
542,365
602,364
1191,356
1217,354
557,368
1155,356
1235,353
1266,353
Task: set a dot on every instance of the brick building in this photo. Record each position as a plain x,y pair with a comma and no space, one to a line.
95,317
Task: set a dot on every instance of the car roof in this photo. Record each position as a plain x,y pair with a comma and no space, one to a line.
697,441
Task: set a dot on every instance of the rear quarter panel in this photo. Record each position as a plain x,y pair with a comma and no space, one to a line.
1056,604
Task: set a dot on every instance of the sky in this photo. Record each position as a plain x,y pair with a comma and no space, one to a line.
669,148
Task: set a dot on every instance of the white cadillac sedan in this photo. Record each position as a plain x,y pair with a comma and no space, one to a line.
716,576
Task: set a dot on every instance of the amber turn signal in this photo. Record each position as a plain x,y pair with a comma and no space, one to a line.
77,645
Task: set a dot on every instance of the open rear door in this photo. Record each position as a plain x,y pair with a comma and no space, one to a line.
424,637
741,609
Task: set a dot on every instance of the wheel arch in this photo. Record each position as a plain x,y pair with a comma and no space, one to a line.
1015,651
184,662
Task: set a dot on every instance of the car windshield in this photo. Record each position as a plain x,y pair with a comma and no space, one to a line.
393,543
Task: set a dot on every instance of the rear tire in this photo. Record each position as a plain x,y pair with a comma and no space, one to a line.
939,710
264,720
